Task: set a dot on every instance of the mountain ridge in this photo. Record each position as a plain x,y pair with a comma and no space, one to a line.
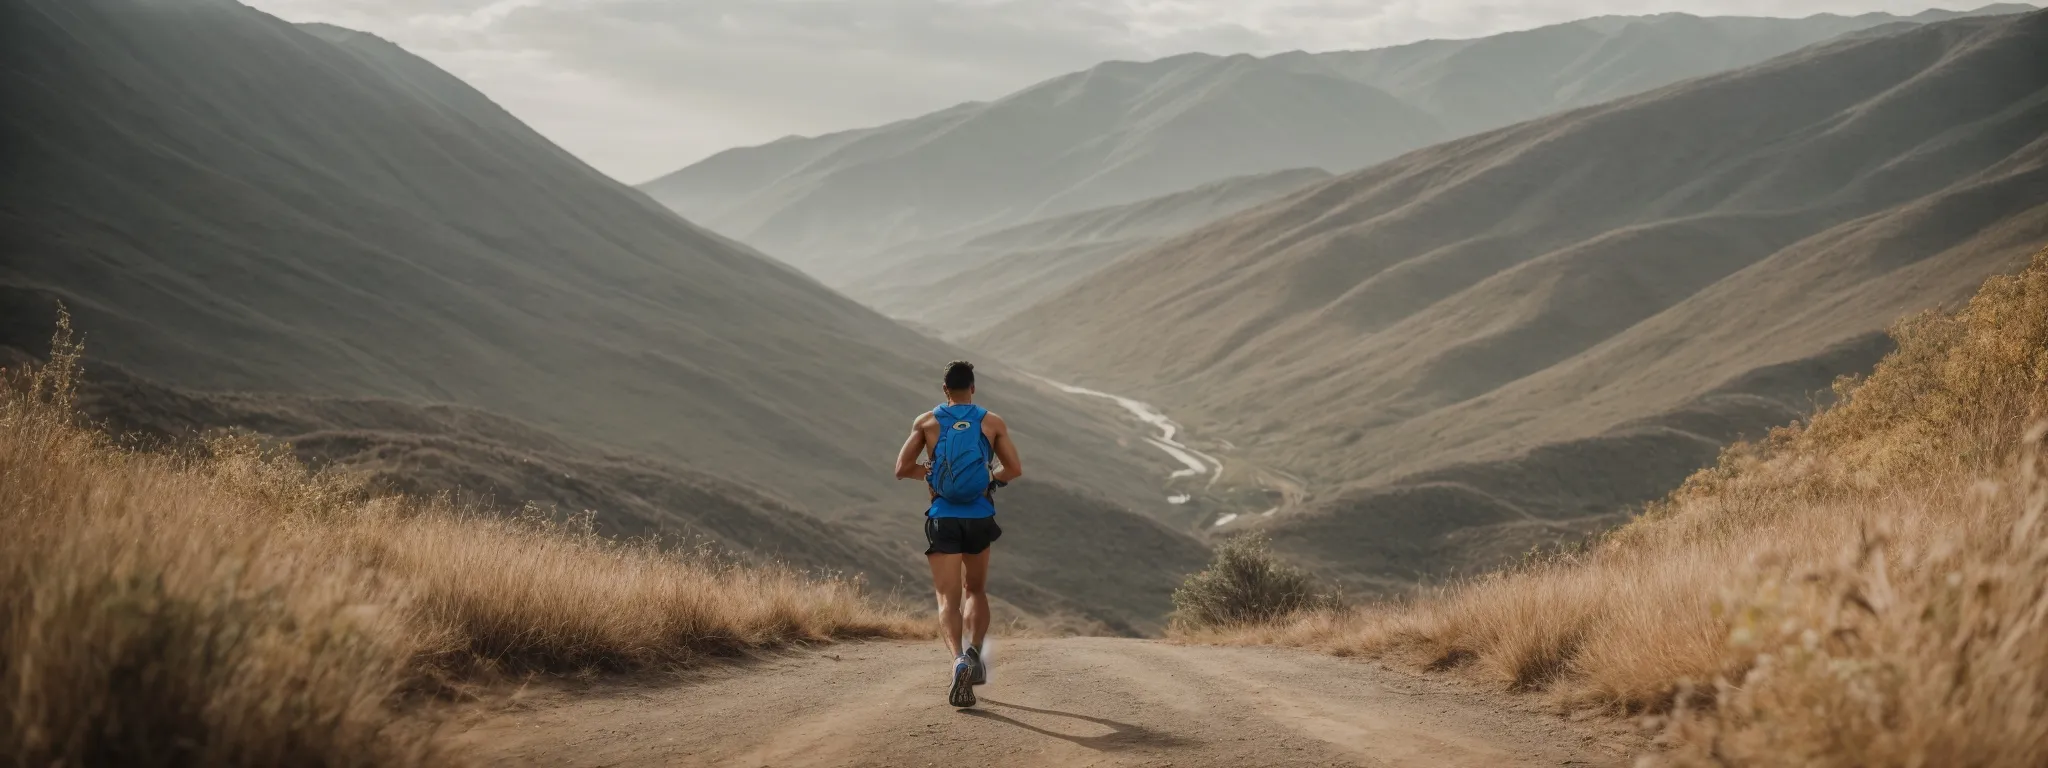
836,204
961,288
315,214
1529,288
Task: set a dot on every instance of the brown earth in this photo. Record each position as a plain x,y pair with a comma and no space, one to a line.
1064,702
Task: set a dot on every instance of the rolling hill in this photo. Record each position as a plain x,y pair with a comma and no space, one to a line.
232,204
1118,133
1123,132
1486,83
959,289
1510,338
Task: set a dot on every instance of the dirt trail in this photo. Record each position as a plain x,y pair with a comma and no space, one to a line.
1067,702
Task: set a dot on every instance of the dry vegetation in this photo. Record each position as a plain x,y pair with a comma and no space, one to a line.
1245,585
1870,589
225,606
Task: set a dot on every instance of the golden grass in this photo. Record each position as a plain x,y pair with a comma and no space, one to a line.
1867,590
226,606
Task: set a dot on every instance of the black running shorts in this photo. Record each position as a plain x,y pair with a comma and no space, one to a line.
960,535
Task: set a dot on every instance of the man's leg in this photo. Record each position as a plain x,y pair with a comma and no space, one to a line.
976,598
946,581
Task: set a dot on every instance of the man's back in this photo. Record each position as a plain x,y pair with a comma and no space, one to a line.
949,420
968,454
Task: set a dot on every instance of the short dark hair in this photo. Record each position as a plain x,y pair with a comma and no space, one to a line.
959,376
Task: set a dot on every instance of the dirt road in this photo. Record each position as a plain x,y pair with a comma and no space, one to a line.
1066,702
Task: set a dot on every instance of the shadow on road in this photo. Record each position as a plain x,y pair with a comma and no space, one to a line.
1122,736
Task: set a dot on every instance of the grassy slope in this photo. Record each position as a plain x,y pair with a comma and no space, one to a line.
227,607
490,462
315,211
963,288
1615,292
233,203
1870,589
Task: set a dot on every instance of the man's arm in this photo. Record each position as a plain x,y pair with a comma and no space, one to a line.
906,459
1006,449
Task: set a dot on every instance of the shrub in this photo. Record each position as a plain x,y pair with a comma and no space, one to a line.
1244,584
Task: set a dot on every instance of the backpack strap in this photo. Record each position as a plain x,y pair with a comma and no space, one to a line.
945,412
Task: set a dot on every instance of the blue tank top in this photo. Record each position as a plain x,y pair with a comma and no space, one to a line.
983,507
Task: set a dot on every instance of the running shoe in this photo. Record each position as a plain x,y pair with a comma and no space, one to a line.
980,676
962,694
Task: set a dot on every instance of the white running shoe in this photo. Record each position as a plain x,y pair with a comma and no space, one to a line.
962,694
980,674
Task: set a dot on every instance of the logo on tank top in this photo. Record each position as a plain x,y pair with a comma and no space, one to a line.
961,426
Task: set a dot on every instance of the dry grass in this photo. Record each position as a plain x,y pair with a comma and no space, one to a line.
227,607
1868,590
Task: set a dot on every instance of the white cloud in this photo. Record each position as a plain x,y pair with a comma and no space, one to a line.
641,87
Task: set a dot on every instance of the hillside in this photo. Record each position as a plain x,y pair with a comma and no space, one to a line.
1486,83
1118,133
223,606
220,605
230,203
1863,589
959,289
1509,338
1124,131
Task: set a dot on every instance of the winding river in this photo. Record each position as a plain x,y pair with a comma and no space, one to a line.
1194,462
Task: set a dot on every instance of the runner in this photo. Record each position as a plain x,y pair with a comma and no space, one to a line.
970,455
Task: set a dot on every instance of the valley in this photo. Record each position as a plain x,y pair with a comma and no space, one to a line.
400,242
1469,347
1402,361
1247,491
1571,395
1197,464
1508,341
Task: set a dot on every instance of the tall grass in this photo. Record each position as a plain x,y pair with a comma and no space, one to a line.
226,606
1870,589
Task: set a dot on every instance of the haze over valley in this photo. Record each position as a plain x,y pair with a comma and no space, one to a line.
1430,365
840,204
344,225
1529,331
1411,311
1503,383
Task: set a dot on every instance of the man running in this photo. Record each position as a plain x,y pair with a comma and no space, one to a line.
970,455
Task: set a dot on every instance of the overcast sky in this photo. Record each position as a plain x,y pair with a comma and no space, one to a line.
642,87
